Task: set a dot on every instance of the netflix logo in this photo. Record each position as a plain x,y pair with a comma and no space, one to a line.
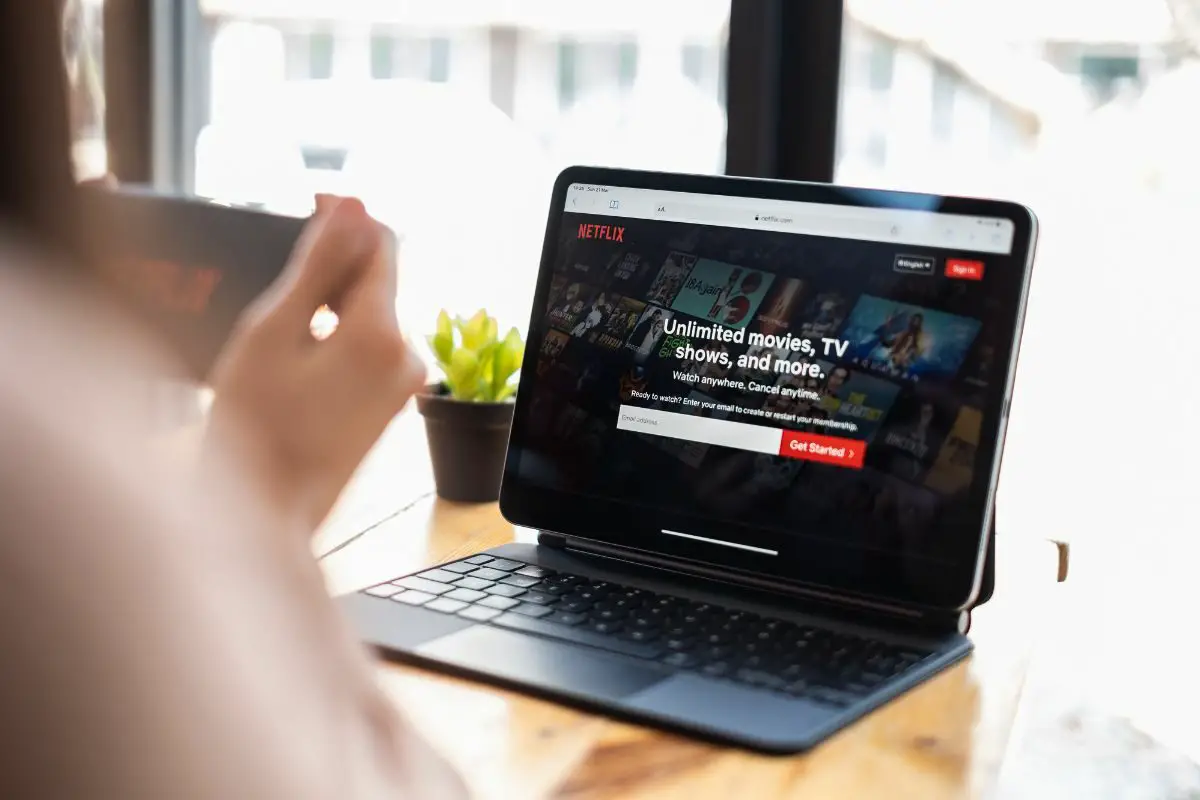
170,287
610,233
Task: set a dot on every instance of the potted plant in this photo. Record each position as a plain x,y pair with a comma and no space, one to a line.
468,414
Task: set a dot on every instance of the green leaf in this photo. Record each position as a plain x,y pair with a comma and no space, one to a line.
487,368
442,345
506,392
513,344
462,374
475,331
444,326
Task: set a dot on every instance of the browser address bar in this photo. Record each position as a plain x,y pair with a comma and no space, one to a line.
838,225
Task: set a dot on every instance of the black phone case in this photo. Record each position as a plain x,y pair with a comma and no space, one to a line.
189,266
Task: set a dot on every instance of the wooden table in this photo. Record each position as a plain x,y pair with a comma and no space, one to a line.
946,739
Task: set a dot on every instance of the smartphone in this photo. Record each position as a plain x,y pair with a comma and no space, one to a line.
189,266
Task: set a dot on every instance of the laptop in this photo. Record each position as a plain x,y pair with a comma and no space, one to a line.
758,431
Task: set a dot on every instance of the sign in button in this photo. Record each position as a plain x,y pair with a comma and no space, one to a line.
964,270
825,449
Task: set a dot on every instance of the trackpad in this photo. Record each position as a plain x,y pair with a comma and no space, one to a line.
563,668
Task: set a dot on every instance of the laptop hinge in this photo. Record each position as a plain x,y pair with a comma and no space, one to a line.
922,619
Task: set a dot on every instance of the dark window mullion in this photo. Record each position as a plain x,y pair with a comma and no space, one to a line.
783,88
129,89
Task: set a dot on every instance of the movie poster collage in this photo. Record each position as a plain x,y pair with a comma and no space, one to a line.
900,382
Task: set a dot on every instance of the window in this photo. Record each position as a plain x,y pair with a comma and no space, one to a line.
408,104
83,51
1105,76
627,64
568,77
1086,113
382,57
439,59
945,86
883,55
320,56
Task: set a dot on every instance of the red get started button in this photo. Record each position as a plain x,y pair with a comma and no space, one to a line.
966,270
825,449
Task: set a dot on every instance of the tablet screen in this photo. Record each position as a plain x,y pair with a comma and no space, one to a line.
806,389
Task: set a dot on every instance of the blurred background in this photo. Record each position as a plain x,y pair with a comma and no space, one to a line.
1085,111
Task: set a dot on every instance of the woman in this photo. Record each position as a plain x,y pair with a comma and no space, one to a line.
167,632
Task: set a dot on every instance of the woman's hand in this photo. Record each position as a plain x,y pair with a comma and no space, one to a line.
298,413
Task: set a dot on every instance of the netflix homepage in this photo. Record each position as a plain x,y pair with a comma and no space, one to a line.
808,385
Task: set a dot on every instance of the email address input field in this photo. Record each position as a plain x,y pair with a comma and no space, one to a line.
743,436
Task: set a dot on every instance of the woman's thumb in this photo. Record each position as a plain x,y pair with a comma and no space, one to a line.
337,244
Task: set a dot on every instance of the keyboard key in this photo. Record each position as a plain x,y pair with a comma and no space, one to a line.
521,581
532,610
717,669
606,627
556,588
678,644
478,559
472,583
539,598
446,605
577,635
439,575
504,590
574,606
504,564
567,619
608,614
479,613
680,631
460,566
488,574
501,603
386,590
422,585
466,595
534,572
413,597
682,660
640,636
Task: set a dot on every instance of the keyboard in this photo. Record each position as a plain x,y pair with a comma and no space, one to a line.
777,655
